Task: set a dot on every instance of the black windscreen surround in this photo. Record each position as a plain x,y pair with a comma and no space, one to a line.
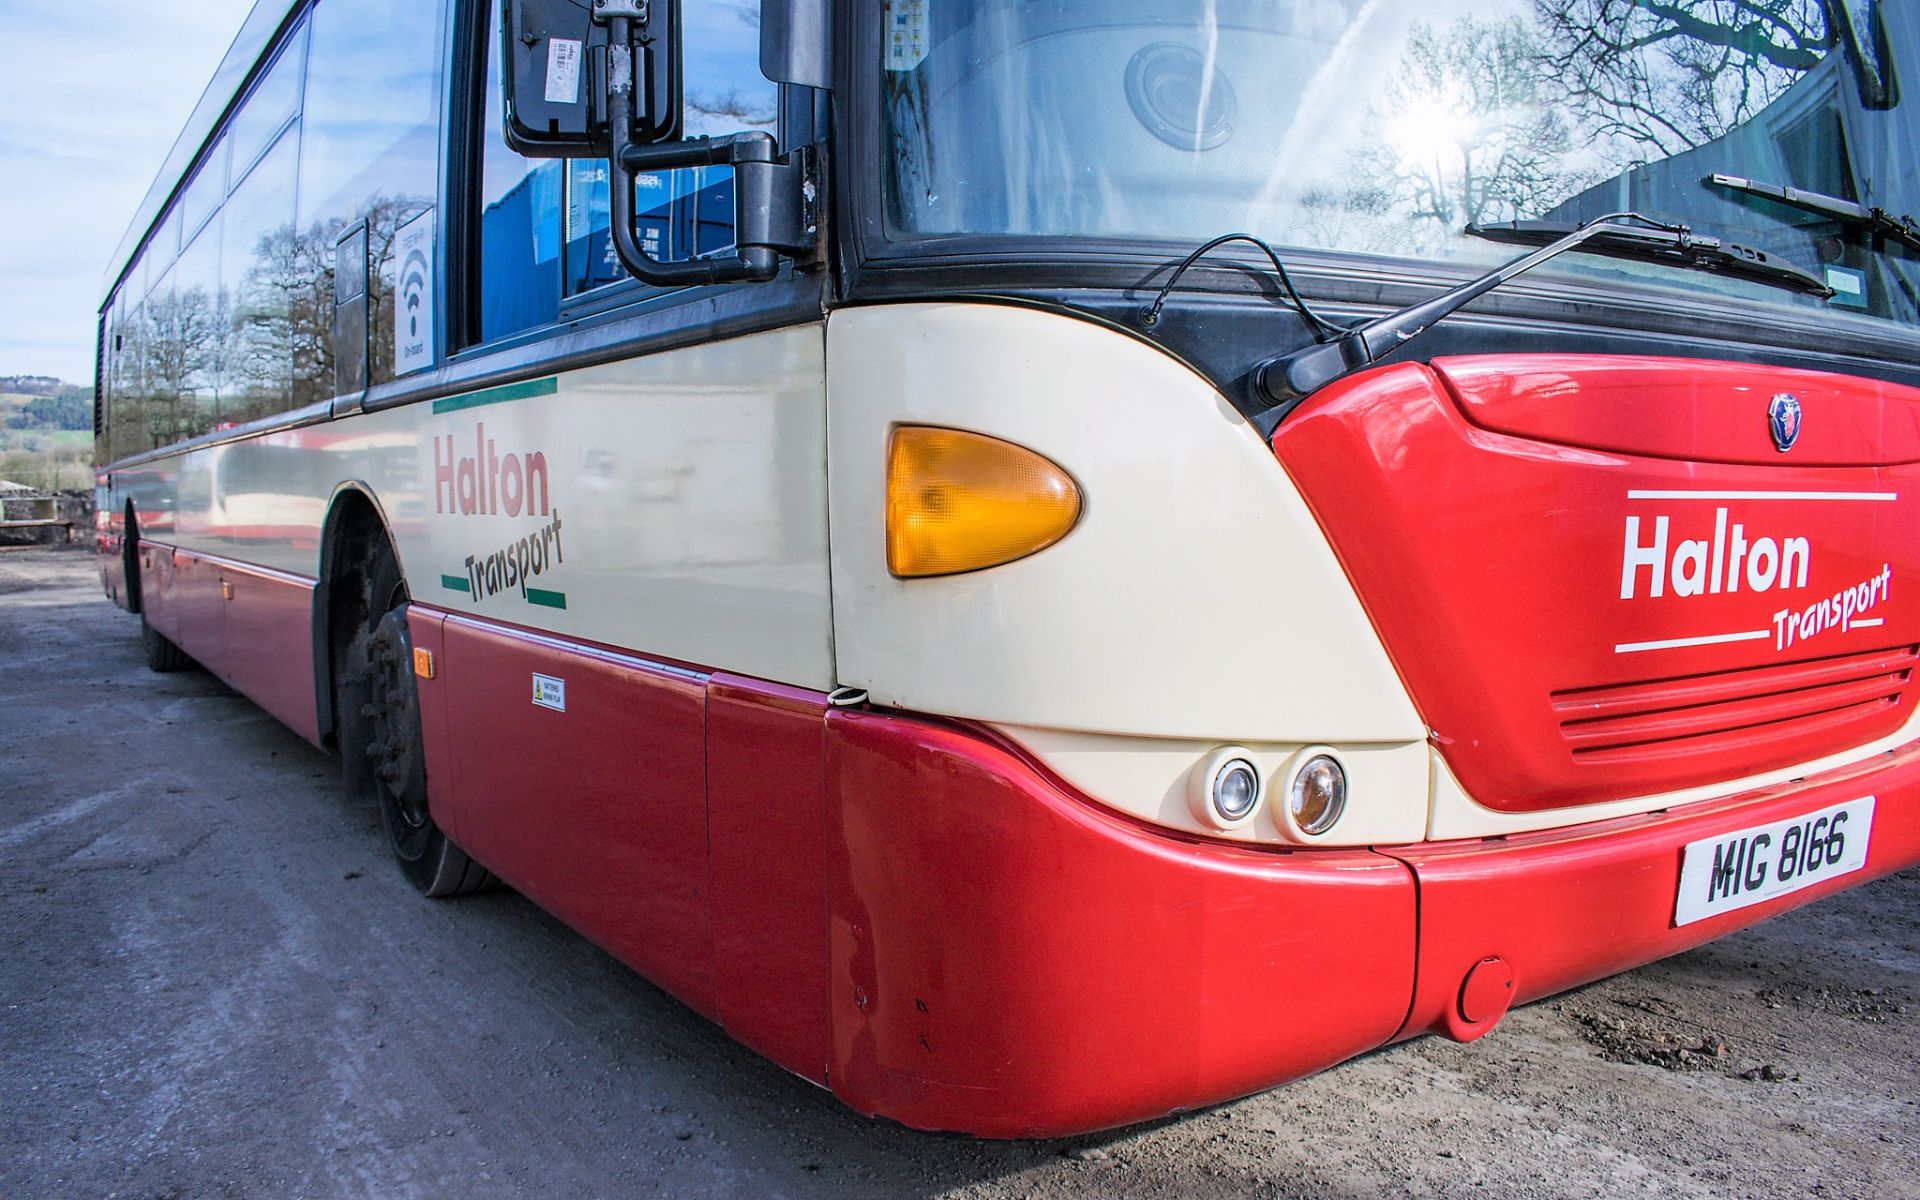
1379,129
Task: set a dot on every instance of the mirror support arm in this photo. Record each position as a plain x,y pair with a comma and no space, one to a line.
772,211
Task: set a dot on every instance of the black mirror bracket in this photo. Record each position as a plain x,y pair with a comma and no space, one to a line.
775,207
775,199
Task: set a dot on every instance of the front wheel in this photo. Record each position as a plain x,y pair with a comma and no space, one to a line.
387,740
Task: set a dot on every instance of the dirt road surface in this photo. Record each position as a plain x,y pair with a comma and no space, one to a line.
214,983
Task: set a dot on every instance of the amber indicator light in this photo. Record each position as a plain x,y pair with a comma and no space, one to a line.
959,501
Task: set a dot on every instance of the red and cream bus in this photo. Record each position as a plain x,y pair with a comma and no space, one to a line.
1047,564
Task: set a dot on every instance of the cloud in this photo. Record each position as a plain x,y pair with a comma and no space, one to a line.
91,98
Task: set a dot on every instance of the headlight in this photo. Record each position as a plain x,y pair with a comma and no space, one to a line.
1316,793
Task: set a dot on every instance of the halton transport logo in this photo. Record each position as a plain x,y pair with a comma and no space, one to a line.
1687,553
486,483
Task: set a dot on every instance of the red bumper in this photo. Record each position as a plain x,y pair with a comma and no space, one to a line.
1566,907
1010,960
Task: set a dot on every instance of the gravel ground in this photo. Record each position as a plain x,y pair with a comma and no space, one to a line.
213,983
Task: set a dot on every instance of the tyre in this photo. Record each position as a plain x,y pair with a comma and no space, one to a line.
130,560
381,742
162,655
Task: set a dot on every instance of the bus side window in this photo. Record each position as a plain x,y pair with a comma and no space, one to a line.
369,150
682,214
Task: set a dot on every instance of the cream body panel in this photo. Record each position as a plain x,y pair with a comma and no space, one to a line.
1196,598
690,486
1148,777
1455,814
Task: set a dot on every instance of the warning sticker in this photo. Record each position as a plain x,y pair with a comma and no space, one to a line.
563,71
550,692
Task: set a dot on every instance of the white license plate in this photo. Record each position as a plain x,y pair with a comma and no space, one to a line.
1733,870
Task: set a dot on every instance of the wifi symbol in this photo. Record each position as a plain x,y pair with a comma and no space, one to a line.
413,286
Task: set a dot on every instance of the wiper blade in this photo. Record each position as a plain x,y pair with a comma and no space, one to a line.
1901,229
1287,380
1674,244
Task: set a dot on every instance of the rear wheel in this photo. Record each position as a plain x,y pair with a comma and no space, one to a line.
130,559
162,655
381,739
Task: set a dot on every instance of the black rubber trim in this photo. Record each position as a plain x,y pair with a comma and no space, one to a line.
1224,335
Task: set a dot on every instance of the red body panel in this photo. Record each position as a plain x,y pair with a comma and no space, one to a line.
1710,412
200,611
1011,961
1496,567
598,813
269,609
157,600
766,809
258,640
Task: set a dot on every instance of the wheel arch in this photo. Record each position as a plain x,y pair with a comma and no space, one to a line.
355,521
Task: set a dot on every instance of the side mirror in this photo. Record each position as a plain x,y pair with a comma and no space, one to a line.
557,64
593,78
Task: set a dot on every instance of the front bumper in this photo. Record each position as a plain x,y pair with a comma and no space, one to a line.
1564,907
1009,959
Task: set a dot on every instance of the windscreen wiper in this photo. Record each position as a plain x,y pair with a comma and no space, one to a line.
1877,220
1287,380
1676,245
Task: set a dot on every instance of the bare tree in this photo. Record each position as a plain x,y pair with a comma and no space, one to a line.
1668,75
1469,133
180,325
729,110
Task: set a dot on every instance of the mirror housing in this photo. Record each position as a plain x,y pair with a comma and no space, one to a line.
593,78
796,40
558,55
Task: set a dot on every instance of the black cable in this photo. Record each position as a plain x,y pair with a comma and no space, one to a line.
1322,328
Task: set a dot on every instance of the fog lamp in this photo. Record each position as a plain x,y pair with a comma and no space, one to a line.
1224,789
1316,794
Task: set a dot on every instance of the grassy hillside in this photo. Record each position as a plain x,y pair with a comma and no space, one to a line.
38,456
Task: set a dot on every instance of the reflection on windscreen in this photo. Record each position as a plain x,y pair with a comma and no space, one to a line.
1385,126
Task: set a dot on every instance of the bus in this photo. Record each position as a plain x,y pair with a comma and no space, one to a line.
1050,564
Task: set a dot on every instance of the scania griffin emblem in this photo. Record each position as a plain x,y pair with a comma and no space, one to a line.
1783,421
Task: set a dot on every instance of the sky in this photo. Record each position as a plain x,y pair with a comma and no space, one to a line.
91,97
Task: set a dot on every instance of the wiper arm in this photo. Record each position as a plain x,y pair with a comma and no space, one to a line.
1901,229
1287,380
1676,245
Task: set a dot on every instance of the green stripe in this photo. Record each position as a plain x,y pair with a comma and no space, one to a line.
546,599
498,395
455,583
